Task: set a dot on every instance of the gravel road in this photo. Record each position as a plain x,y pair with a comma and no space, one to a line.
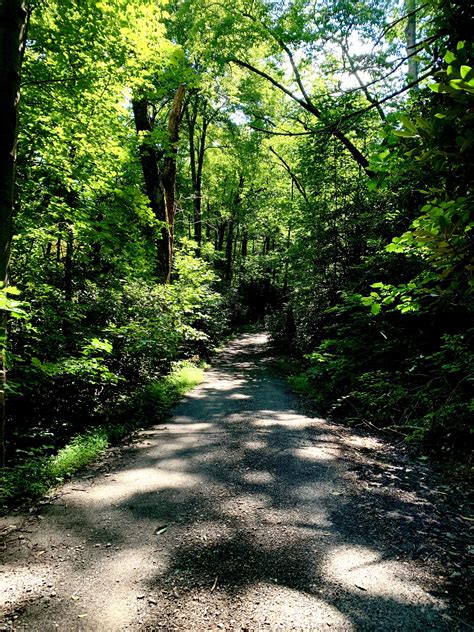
240,513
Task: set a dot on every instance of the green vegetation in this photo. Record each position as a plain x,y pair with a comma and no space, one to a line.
305,163
35,476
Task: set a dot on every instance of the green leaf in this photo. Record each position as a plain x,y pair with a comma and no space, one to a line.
404,134
375,308
449,57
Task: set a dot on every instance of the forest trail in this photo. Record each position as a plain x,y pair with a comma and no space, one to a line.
240,513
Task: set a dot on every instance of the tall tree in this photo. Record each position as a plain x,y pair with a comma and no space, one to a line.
410,35
13,25
197,148
159,174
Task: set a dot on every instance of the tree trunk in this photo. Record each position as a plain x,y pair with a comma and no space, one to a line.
410,35
149,160
245,242
13,25
197,148
230,233
169,174
69,264
228,251
220,236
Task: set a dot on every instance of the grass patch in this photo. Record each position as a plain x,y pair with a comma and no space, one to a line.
293,371
301,384
157,398
35,476
82,450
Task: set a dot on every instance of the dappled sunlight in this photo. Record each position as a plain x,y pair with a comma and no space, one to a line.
183,425
309,493
18,584
237,509
149,479
247,502
286,419
294,609
255,445
239,396
366,442
316,453
360,568
258,478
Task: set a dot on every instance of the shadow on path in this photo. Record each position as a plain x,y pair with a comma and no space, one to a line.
241,513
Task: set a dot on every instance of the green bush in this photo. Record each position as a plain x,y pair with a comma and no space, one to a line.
32,478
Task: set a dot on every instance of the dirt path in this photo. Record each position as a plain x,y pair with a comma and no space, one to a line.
240,514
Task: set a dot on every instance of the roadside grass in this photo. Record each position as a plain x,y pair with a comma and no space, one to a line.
294,372
35,476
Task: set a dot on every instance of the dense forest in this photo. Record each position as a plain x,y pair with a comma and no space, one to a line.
171,170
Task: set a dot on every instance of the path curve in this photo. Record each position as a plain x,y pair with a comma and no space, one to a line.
240,513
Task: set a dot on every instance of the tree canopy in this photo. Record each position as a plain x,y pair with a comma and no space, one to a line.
176,169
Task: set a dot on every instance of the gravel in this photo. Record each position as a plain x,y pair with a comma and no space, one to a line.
240,513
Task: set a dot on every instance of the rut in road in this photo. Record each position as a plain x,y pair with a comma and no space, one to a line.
238,514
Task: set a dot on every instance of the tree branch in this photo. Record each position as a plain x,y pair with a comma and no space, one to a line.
294,178
287,50
352,149
270,133
390,26
387,98
277,84
368,96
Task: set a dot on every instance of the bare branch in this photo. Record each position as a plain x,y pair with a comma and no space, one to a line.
294,178
387,98
348,144
390,26
368,96
271,133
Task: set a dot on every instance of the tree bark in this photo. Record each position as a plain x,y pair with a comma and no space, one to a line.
150,160
228,251
13,26
410,35
230,232
198,188
160,184
197,148
169,173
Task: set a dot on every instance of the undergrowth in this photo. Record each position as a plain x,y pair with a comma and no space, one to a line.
36,475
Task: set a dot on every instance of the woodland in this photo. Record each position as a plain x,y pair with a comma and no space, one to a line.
173,170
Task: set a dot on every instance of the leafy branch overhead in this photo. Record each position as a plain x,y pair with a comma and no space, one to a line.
171,171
